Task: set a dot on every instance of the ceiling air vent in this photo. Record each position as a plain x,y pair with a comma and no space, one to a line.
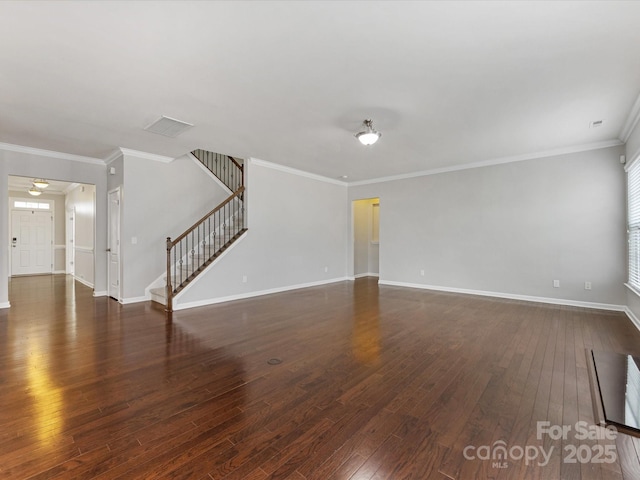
169,127
595,123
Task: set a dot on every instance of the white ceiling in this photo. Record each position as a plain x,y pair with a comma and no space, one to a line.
447,83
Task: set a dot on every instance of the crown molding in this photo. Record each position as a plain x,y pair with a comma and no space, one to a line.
634,118
113,156
495,161
295,171
145,155
50,153
632,121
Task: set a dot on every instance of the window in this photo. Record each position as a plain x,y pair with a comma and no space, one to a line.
633,227
31,205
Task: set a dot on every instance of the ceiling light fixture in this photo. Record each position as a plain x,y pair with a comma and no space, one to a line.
369,136
34,191
40,183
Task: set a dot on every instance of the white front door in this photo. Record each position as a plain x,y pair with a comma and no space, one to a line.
113,248
31,233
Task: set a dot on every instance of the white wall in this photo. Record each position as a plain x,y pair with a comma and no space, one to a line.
56,166
297,227
509,229
82,199
159,200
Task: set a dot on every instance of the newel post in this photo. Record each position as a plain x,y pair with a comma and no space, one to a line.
169,306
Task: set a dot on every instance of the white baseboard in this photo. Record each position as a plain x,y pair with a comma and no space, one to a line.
509,296
632,317
83,281
362,275
103,293
242,296
58,272
5,305
126,301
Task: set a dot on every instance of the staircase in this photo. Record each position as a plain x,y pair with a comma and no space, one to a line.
189,254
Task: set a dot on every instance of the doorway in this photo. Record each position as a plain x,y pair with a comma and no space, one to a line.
31,242
366,237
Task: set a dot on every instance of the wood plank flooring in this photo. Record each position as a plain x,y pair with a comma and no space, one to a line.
374,383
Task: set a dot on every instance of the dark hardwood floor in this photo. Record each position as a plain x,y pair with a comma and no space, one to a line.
374,383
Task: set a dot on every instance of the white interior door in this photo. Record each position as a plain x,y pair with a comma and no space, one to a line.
113,248
31,234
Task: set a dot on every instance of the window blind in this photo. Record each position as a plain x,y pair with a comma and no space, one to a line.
633,227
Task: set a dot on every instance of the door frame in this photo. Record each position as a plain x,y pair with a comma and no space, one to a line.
110,212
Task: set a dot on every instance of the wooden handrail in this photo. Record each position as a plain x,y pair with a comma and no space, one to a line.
241,167
237,193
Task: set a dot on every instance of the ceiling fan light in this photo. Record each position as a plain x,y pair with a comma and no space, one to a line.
369,136
40,183
34,191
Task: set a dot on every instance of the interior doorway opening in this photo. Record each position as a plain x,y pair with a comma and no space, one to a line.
366,237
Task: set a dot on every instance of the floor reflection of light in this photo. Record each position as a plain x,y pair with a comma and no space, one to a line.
366,340
46,396
72,332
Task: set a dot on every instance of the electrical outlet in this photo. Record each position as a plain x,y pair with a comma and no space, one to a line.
587,285
244,279
326,269
556,284
422,273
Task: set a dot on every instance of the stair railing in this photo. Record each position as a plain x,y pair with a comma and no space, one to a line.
205,240
226,168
